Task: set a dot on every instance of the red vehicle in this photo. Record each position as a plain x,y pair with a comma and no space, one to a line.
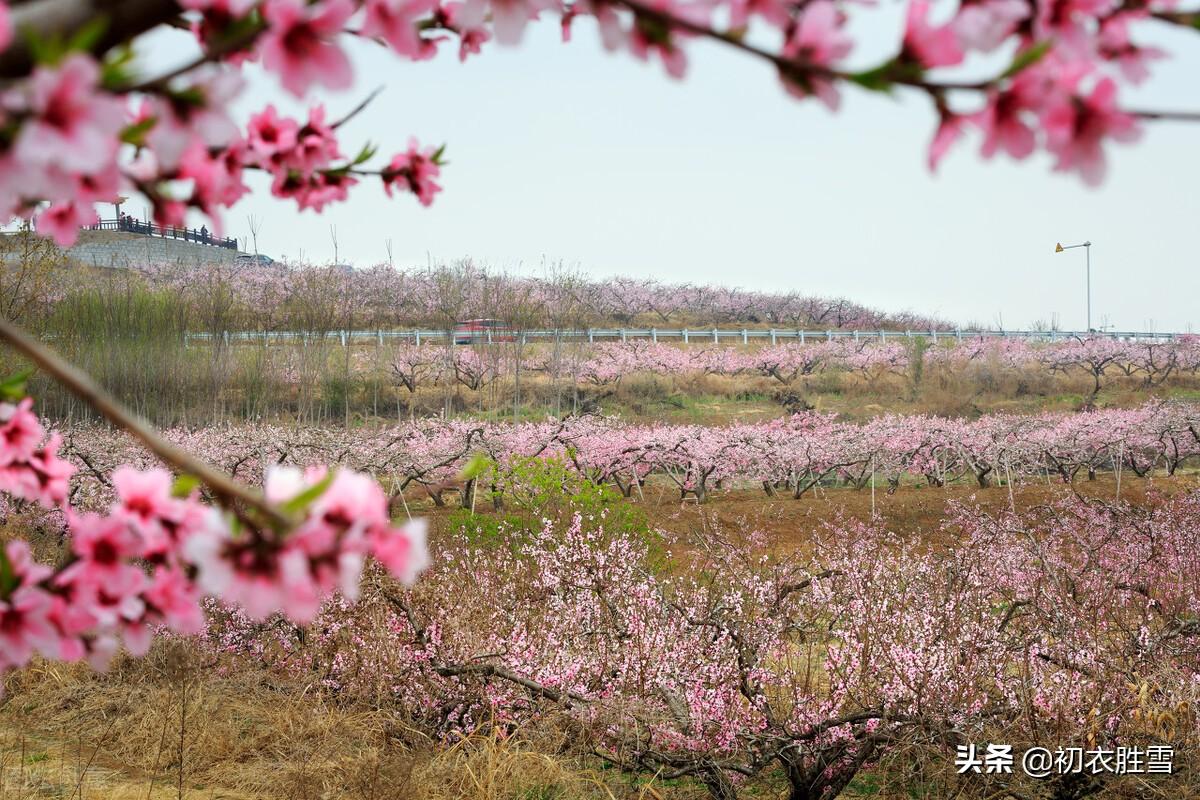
482,331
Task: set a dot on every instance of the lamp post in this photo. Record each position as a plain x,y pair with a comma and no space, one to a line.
1058,248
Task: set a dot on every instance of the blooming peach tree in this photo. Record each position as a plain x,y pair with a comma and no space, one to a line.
796,454
84,123
1068,625
145,562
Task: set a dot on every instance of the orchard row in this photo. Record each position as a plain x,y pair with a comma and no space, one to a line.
1152,362
791,455
216,298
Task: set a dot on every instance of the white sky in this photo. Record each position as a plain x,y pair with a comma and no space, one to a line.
564,152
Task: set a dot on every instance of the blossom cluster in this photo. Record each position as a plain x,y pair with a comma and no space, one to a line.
793,454
1151,361
81,129
274,297
144,561
84,133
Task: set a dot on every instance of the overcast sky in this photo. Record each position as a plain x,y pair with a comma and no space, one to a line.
567,153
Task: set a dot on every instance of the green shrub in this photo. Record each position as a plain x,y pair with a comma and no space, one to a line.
532,490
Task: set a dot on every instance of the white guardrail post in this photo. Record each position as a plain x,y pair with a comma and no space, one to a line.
685,335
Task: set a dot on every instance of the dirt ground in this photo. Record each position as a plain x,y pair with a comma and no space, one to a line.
787,522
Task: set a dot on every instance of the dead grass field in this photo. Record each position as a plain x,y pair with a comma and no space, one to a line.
168,727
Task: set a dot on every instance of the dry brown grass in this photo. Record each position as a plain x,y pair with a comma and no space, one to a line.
495,767
169,724
169,727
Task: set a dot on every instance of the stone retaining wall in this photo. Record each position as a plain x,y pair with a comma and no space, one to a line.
122,249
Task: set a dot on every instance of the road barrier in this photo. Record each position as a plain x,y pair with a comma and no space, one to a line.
687,335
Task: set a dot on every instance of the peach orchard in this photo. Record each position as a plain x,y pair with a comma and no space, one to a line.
1086,635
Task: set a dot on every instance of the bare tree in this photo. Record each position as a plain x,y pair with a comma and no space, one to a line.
519,303
29,269
565,309
449,294
255,225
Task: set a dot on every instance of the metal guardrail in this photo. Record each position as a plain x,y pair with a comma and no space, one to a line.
131,225
686,335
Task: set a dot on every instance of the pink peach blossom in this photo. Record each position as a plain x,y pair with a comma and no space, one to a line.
931,46
817,40
62,221
73,127
300,44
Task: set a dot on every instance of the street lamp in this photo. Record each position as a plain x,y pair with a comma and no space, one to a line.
1058,248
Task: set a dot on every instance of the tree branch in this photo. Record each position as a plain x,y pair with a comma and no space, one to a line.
229,492
48,19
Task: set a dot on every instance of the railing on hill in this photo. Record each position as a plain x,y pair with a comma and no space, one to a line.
688,335
131,225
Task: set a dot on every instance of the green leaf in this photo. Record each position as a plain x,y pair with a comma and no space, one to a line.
8,578
190,96
88,37
44,51
117,71
184,485
366,154
877,79
475,467
12,388
53,49
135,134
1028,57
438,154
306,498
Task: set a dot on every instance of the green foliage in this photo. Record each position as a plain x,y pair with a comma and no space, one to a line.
487,529
865,784
119,310
307,497
337,391
533,490
184,485
12,388
478,464
550,488
131,340
8,577
1028,57
52,49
